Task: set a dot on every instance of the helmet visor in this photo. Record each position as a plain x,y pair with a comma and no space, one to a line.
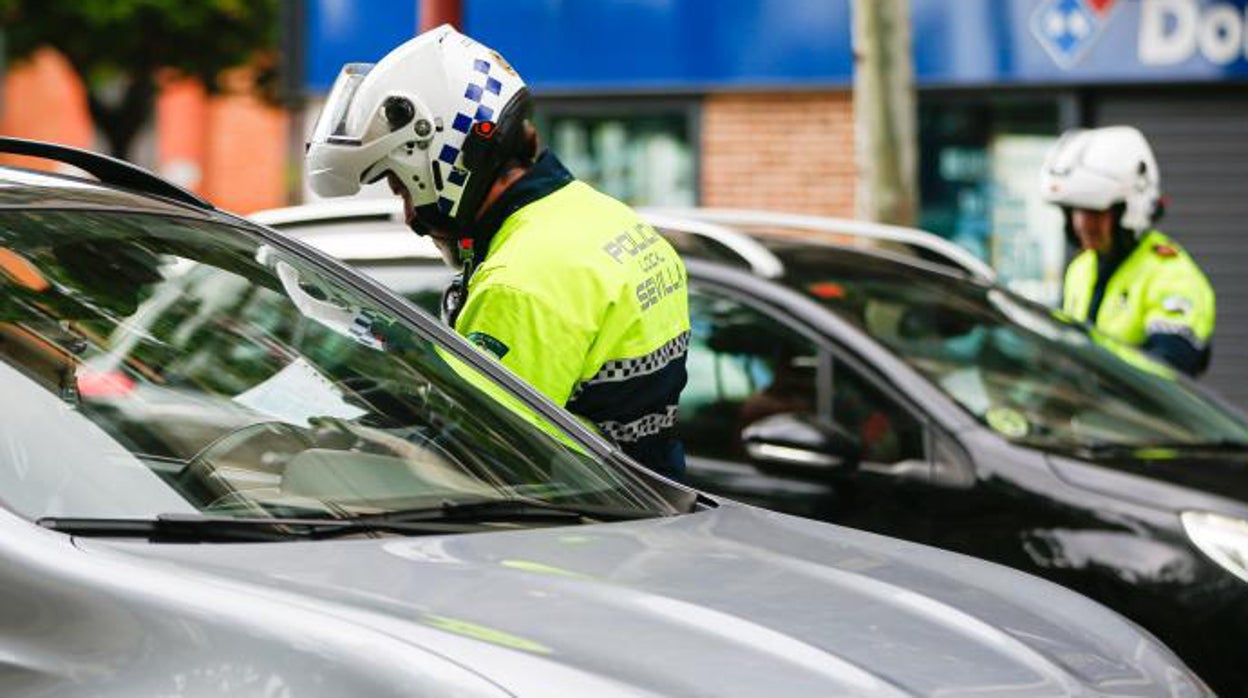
334,124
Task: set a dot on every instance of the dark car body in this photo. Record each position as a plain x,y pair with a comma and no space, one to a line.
1102,518
787,386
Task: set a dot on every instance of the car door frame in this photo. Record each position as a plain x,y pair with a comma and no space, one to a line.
837,341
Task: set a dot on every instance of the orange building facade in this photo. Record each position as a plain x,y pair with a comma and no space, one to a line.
231,148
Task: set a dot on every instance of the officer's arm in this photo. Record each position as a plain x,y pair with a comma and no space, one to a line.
1178,321
527,336
1177,351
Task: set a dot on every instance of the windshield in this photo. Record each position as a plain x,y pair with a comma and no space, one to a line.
154,366
1017,367
419,281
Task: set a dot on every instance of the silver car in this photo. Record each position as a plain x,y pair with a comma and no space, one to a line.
232,467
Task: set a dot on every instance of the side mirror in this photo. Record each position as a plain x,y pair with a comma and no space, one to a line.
801,444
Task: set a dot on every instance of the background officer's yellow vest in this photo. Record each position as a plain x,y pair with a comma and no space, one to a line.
1158,289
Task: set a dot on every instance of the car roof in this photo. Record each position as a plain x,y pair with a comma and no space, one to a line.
27,189
355,230
389,208
801,257
735,244
373,230
840,231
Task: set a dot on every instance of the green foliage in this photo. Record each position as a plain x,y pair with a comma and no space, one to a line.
105,39
119,46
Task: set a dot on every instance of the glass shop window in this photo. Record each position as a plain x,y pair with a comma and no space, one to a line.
979,186
644,155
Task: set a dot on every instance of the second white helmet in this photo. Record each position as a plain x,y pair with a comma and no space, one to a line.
1099,168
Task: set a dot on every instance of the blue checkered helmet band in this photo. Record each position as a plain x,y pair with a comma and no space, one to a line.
482,100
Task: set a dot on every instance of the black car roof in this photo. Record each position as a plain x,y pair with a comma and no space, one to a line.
803,258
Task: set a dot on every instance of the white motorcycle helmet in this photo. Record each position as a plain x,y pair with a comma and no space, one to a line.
441,112
1097,169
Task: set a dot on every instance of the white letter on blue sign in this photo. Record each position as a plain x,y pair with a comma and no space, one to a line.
1159,46
1222,34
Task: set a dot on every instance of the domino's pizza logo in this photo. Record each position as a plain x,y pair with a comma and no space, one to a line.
1067,29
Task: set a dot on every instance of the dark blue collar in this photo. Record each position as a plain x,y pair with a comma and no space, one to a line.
1106,264
546,176
1125,243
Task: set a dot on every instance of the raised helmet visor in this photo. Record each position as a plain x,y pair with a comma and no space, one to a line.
333,124
346,150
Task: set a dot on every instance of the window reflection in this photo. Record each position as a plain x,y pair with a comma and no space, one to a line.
645,158
253,383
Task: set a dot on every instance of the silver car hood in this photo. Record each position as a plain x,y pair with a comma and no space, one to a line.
731,602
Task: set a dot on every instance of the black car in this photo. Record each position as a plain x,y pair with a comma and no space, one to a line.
906,398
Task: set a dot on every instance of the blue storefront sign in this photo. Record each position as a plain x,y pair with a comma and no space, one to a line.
695,45
342,31
1079,41
668,44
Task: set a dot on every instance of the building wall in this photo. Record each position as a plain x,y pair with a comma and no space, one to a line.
44,100
231,148
791,151
245,161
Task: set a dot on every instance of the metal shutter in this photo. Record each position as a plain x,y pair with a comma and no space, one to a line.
1201,141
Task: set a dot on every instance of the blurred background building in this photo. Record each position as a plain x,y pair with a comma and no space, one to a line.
748,103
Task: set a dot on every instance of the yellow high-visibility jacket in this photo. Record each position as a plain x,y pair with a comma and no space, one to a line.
1156,299
584,300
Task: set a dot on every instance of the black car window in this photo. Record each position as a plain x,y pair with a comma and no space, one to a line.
745,365
889,433
1025,371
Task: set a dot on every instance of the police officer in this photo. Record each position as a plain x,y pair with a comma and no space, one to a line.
1129,280
565,286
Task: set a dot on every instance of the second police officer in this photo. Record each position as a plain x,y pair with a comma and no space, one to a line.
1129,280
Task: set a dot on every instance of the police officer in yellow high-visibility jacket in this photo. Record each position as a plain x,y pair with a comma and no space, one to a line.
1130,281
565,286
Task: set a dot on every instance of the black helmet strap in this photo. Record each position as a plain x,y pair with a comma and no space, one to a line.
488,148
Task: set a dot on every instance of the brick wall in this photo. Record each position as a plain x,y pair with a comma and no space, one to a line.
232,148
245,158
44,100
781,151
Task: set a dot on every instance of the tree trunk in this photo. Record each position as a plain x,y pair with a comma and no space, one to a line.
437,12
120,120
885,112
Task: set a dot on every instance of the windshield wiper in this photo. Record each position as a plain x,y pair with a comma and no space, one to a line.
449,517
518,510
194,528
